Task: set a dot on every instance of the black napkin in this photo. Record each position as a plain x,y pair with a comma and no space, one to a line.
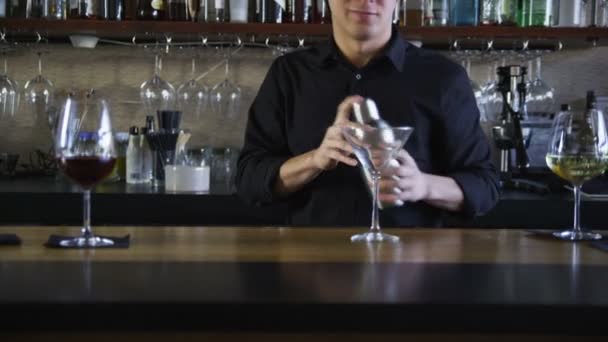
9,240
119,242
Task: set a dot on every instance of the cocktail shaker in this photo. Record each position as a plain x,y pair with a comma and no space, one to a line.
367,113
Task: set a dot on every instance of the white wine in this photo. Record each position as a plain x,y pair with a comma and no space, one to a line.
577,169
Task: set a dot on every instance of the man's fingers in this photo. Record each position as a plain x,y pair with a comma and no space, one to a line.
339,156
345,108
405,158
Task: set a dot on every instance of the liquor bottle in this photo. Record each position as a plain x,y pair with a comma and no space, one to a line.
177,10
33,8
535,13
112,9
301,11
508,15
436,12
464,13
414,13
192,7
54,10
202,11
88,9
322,12
72,9
151,10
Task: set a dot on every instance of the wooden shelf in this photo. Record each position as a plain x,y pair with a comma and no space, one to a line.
126,29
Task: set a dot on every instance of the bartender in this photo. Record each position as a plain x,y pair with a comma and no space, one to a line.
294,150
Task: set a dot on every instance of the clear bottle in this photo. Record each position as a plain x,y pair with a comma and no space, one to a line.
490,12
464,13
569,13
134,157
217,11
202,11
436,12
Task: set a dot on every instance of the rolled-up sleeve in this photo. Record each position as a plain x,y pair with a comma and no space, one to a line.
466,156
265,147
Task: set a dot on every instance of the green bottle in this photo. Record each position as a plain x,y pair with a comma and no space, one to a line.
534,13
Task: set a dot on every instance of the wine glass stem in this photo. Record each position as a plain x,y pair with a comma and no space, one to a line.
375,227
158,65
39,64
86,214
577,207
538,68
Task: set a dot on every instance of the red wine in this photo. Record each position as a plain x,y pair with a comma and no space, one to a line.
87,171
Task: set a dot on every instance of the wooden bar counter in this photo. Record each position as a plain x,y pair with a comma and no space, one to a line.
274,283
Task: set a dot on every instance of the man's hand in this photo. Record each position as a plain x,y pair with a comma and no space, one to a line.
402,181
334,148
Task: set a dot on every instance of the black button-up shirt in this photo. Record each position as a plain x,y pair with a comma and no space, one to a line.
298,101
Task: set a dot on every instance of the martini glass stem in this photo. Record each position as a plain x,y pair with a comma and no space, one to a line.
375,227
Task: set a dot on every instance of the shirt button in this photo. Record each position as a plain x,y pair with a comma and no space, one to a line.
358,76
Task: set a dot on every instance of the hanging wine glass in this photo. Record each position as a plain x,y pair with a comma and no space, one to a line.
157,94
225,96
540,98
192,96
477,90
9,89
493,97
39,92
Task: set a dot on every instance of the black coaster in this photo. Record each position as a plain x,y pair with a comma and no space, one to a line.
9,240
119,242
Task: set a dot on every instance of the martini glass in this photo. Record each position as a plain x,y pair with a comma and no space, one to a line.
374,148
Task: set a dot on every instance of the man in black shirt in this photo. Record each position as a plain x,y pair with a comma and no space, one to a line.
294,150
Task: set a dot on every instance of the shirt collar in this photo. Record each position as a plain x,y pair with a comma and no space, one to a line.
395,51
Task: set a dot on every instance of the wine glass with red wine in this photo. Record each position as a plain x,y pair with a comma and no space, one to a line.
85,151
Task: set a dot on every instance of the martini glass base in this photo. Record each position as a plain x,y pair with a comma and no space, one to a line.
93,241
572,235
374,237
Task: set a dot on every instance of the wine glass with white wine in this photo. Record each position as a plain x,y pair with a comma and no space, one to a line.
578,152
